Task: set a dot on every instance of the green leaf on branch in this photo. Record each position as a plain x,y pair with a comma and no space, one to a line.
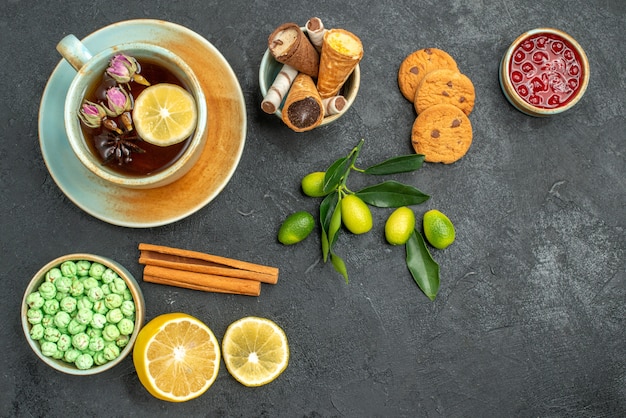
338,171
401,164
327,208
335,174
392,194
423,268
339,265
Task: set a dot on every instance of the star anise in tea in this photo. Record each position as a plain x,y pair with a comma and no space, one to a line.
117,149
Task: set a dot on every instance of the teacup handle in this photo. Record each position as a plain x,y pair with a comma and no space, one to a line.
74,51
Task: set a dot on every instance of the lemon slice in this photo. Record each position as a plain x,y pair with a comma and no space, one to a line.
177,357
255,351
165,114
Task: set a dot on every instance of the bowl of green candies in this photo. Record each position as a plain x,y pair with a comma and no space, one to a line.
81,313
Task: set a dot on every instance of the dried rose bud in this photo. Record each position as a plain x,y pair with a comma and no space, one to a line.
118,101
123,69
91,114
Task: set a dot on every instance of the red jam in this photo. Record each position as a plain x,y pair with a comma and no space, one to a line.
546,71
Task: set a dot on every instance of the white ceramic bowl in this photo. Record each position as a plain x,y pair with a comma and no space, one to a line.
132,285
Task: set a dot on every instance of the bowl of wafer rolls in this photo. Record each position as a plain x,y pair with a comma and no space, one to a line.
309,75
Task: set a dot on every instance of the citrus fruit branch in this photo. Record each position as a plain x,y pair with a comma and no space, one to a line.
342,206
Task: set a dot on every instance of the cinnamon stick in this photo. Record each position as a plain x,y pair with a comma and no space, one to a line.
195,261
201,281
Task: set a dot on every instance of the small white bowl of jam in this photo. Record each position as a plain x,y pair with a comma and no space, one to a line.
544,72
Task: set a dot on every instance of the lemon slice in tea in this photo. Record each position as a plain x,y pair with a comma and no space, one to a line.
165,114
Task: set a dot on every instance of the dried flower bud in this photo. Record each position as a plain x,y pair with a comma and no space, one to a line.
111,126
123,69
91,114
118,101
127,120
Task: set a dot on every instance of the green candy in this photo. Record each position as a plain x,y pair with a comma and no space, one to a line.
96,344
68,268
126,326
118,286
77,288
114,316
80,341
75,327
95,294
53,274
82,268
108,276
47,290
47,321
35,300
51,334
111,351
84,316
97,270
84,361
110,332
93,332
68,304
71,355
36,332
89,283
34,316
100,307
64,343
128,308
99,359
63,284
48,348
51,306
84,303
98,321
122,341
62,319
113,300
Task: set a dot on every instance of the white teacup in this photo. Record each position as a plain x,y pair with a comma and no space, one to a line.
90,70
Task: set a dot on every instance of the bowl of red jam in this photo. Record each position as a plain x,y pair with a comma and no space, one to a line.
544,72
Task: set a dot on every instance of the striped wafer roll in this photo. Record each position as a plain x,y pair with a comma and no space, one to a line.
334,105
279,88
315,30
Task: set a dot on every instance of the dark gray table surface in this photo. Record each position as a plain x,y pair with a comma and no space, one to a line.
530,316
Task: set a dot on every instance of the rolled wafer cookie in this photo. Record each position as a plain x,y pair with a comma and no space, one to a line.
315,29
289,45
279,88
341,53
334,105
303,109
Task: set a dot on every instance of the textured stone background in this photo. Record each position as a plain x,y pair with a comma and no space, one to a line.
530,316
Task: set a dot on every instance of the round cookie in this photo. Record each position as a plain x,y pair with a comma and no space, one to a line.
417,64
442,133
445,86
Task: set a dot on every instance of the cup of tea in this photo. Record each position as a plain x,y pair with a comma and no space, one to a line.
100,116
